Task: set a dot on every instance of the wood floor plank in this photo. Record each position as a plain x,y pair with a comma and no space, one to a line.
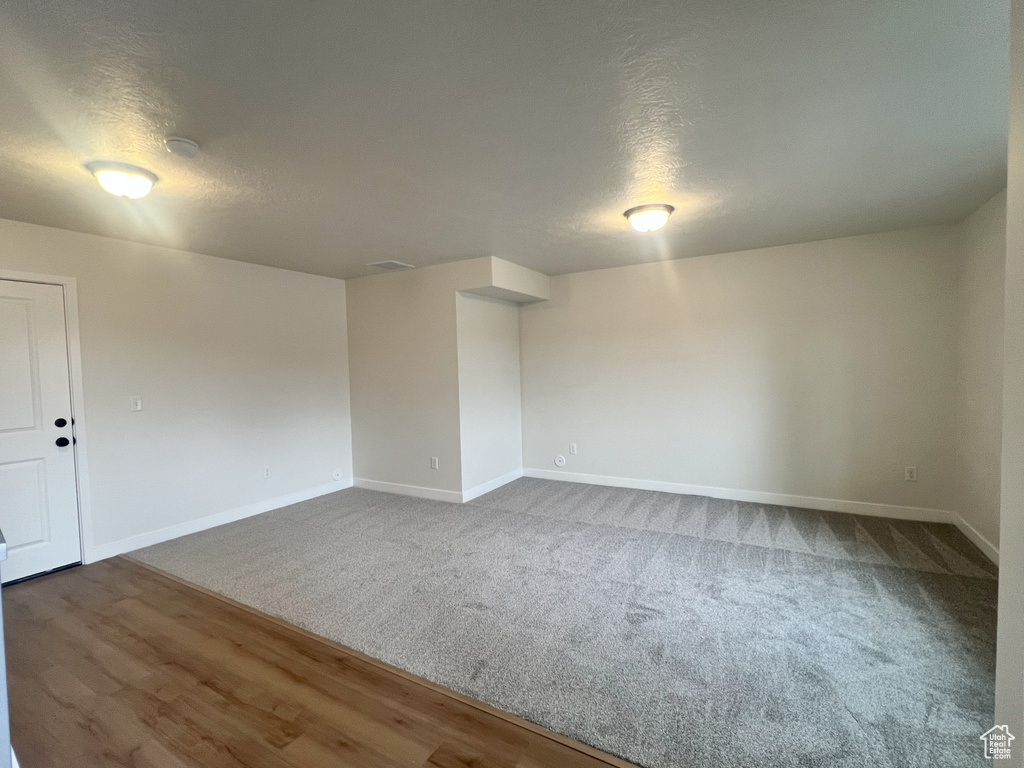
447,756
116,664
456,706
360,686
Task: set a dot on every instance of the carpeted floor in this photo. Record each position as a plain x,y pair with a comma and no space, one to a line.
670,630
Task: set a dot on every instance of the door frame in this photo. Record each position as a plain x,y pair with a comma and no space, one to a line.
70,290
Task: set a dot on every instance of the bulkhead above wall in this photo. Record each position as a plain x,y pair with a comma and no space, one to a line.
485,276
512,282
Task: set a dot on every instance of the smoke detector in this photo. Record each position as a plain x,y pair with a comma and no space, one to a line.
176,145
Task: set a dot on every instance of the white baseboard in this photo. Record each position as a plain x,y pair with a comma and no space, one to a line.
491,485
986,546
103,551
435,494
921,514
438,494
924,514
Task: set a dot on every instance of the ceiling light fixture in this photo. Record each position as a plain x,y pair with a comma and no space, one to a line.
647,218
122,179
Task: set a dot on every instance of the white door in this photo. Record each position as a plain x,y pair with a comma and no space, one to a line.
38,492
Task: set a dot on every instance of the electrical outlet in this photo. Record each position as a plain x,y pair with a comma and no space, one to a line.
910,474
572,449
266,472
135,403
433,462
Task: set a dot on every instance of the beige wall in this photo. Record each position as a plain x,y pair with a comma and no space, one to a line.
410,355
240,367
489,397
979,313
817,370
403,348
1010,637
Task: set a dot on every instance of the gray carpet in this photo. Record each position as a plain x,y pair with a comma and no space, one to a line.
669,630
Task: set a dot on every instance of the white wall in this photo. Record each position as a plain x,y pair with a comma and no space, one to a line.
1010,636
978,439
240,367
489,394
817,370
403,347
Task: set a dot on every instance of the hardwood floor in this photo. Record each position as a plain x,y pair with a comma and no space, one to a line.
115,664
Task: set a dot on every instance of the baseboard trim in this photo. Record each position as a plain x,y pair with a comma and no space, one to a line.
103,551
986,546
438,494
421,492
491,485
923,514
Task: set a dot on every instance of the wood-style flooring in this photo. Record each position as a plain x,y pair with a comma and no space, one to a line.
116,664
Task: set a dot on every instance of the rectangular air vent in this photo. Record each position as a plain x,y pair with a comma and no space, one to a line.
390,266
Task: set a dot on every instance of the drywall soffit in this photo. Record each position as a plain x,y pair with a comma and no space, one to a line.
505,294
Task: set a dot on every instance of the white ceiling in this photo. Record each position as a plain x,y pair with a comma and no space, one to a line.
339,133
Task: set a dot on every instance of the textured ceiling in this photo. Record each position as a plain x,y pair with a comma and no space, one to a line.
338,133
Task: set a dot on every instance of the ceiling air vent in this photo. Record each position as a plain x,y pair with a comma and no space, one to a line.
390,266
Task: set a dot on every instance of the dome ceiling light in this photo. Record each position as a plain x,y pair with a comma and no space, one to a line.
122,179
647,218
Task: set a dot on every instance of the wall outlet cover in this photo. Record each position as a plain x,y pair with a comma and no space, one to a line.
337,474
559,461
